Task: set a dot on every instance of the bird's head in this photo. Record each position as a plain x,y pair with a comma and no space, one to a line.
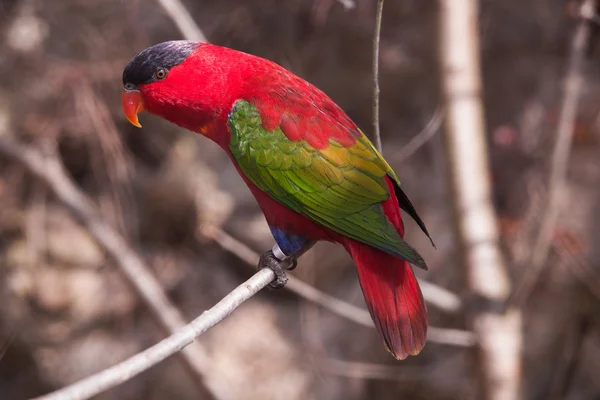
181,81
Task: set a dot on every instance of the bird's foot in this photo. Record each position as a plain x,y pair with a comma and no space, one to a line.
268,260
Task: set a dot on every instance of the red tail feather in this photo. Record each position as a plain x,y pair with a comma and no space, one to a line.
393,297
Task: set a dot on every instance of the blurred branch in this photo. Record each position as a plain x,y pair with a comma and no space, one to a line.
349,311
48,169
348,4
452,337
434,294
337,306
439,297
183,20
6,342
560,155
499,332
572,353
362,370
140,362
112,162
420,138
376,39
580,268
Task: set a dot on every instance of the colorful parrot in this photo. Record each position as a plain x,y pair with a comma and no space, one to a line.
314,174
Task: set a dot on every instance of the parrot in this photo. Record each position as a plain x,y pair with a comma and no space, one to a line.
314,174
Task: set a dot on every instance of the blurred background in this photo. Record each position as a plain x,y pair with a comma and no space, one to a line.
66,310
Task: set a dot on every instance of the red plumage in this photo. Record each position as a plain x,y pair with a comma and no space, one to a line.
199,93
388,283
391,291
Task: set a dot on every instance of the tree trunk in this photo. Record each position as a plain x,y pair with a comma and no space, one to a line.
498,355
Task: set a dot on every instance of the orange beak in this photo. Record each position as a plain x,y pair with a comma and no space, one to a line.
133,104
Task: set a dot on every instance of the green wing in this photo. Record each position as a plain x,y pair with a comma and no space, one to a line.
338,187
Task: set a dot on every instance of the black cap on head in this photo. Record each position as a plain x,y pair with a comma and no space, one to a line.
142,68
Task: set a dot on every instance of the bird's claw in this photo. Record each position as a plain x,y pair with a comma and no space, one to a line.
292,264
268,260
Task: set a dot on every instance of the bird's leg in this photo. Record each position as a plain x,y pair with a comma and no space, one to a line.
272,262
278,262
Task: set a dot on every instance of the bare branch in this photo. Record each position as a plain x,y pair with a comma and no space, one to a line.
566,369
183,20
348,4
376,39
140,362
48,169
560,155
499,332
453,337
349,311
581,268
6,342
420,138
434,294
363,370
440,297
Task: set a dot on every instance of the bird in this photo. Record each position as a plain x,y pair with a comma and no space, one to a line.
314,174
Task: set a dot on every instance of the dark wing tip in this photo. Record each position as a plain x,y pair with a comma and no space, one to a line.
407,206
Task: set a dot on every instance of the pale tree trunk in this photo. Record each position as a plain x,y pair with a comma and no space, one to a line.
499,331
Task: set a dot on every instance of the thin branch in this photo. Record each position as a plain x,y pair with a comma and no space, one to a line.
434,294
560,155
499,333
348,4
376,39
349,311
183,20
140,362
566,369
452,337
48,169
361,370
440,297
581,269
6,343
419,140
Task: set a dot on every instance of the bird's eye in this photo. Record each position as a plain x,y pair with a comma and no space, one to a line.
160,74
